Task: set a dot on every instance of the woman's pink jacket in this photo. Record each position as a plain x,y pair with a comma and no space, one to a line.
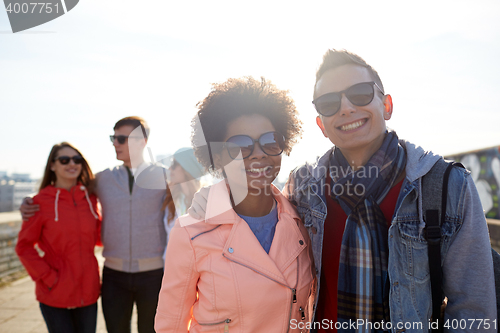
218,278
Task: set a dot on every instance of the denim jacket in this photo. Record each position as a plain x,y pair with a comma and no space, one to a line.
468,279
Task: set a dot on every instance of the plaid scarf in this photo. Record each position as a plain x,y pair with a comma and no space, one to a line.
362,292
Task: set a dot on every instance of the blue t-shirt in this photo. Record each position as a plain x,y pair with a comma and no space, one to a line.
263,227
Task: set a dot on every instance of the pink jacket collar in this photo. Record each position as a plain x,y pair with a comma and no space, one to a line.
220,211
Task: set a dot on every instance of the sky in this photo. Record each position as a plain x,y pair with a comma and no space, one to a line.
72,78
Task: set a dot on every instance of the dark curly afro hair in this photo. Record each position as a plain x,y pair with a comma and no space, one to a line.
242,97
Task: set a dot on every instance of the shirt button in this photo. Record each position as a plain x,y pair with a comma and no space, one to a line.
230,250
301,242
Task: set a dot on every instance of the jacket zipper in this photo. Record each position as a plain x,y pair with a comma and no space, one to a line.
128,171
226,326
130,235
79,238
294,290
72,193
294,295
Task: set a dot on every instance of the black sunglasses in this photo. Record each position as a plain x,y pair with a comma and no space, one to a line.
65,159
360,94
122,138
271,143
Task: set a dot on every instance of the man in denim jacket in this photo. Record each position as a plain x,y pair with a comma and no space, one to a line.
374,264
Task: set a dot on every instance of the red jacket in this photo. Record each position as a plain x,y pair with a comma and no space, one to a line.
66,229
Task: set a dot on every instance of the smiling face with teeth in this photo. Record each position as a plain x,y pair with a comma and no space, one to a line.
66,175
257,171
358,131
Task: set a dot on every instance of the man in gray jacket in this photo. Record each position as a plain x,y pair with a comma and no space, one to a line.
133,234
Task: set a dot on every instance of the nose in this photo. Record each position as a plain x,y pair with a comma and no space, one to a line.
257,152
346,106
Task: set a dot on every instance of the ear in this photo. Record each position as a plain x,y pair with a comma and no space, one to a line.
388,108
52,167
319,122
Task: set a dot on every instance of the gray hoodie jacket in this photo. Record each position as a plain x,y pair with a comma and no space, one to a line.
133,234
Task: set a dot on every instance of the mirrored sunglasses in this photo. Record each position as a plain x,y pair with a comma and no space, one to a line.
271,143
360,94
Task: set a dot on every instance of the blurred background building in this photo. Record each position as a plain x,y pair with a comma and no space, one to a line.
13,188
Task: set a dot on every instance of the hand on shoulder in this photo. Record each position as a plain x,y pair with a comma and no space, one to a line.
28,209
199,204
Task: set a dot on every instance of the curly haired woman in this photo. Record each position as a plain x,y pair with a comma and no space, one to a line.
247,266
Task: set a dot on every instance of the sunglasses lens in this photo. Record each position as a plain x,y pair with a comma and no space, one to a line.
272,143
121,138
63,160
329,104
238,143
360,94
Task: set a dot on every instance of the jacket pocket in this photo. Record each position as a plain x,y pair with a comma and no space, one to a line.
417,263
220,326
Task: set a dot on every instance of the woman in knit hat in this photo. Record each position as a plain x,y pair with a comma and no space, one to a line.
184,182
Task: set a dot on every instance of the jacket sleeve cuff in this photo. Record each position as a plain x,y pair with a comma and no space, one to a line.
51,279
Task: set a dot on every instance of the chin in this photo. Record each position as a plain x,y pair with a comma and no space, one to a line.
259,185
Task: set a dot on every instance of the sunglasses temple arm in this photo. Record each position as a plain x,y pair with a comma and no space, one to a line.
379,88
151,156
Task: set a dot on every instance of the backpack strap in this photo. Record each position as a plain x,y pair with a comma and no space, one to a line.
496,270
434,199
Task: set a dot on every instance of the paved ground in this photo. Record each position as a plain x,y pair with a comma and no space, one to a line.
20,312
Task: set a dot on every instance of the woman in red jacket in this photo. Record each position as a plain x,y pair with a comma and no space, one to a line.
65,229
